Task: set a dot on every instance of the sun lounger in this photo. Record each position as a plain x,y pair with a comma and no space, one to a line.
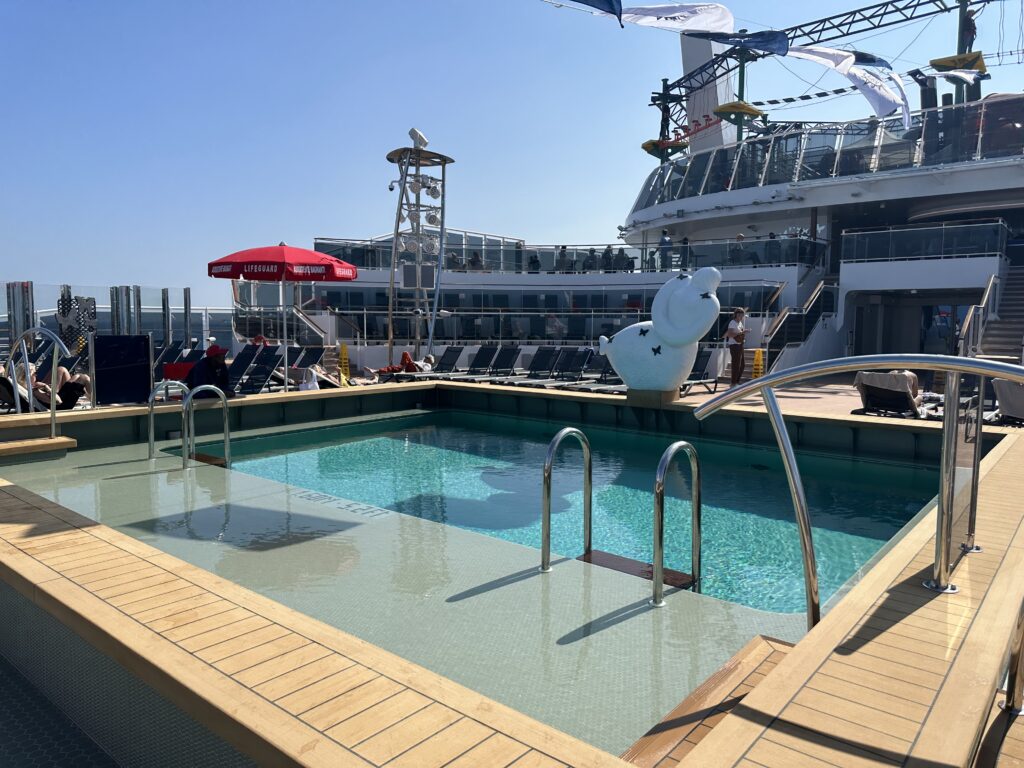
541,365
504,364
11,392
572,370
606,377
1009,402
168,353
240,365
259,376
889,394
193,356
700,375
479,365
46,365
310,356
445,365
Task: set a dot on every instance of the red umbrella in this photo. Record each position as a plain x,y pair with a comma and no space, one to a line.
282,263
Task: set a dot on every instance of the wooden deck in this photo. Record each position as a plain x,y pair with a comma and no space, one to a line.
894,675
682,729
278,685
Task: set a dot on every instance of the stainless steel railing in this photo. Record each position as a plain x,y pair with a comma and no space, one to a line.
1014,702
59,348
944,363
188,426
545,534
657,597
166,386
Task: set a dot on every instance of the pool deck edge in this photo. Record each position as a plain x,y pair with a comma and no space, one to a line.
41,547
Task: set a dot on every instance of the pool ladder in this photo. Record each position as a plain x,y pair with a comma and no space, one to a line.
658,574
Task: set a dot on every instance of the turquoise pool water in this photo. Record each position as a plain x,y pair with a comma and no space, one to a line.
483,473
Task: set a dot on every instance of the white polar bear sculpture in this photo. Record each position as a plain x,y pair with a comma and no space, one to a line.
658,354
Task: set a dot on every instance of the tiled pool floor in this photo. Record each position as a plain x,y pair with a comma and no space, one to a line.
35,734
578,648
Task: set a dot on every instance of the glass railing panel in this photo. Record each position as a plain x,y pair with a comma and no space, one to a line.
720,170
750,165
782,159
695,174
898,146
1002,133
857,148
674,186
951,134
950,241
819,155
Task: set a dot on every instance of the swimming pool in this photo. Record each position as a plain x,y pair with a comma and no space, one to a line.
483,474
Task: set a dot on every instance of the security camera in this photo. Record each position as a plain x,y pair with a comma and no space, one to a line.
391,187
418,139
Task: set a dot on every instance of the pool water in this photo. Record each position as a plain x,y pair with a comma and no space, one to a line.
483,473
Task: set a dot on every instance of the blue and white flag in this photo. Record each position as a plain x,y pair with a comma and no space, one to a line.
611,7
964,76
680,17
880,96
769,41
833,58
870,60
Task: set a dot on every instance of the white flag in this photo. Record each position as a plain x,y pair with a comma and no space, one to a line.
679,17
833,58
905,105
880,96
968,76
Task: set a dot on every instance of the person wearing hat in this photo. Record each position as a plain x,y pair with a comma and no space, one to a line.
210,370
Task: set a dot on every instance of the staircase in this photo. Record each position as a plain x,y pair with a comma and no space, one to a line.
1002,337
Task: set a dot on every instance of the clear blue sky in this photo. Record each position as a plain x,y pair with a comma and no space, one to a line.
142,139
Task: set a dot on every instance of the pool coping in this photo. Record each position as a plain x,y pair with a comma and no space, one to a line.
39,541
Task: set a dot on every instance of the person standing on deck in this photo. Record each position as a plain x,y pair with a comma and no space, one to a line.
734,336
665,249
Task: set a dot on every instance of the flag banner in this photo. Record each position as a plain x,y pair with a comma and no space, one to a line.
905,105
833,58
611,7
880,96
972,60
870,60
678,17
769,41
965,76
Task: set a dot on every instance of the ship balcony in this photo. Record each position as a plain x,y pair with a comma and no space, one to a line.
991,129
951,240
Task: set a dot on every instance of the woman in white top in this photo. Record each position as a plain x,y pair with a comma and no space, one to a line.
734,336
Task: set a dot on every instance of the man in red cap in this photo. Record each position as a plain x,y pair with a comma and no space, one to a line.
210,370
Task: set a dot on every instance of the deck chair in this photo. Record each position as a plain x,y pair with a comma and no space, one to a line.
46,365
700,375
889,394
259,376
504,364
606,376
541,365
193,356
1009,402
478,366
240,364
310,356
10,393
571,371
445,365
169,353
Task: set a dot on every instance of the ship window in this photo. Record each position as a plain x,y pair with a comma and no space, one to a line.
819,155
857,148
695,174
898,146
952,134
1002,132
674,187
720,173
750,165
782,159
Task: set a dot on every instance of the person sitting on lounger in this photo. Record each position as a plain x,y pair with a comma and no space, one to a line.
70,387
210,370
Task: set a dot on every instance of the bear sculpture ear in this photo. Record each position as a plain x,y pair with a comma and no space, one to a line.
679,326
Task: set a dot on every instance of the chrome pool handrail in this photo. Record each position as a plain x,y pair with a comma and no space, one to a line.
1014,702
545,535
658,596
166,385
59,348
945,363
188,426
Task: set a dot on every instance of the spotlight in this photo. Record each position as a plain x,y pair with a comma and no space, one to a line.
434,218
434,192
415,186
410,245
431,246
418,139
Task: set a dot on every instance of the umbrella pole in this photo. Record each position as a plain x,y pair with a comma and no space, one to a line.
284,330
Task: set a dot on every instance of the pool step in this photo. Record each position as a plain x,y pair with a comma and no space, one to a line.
635,568
38,448
668,742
